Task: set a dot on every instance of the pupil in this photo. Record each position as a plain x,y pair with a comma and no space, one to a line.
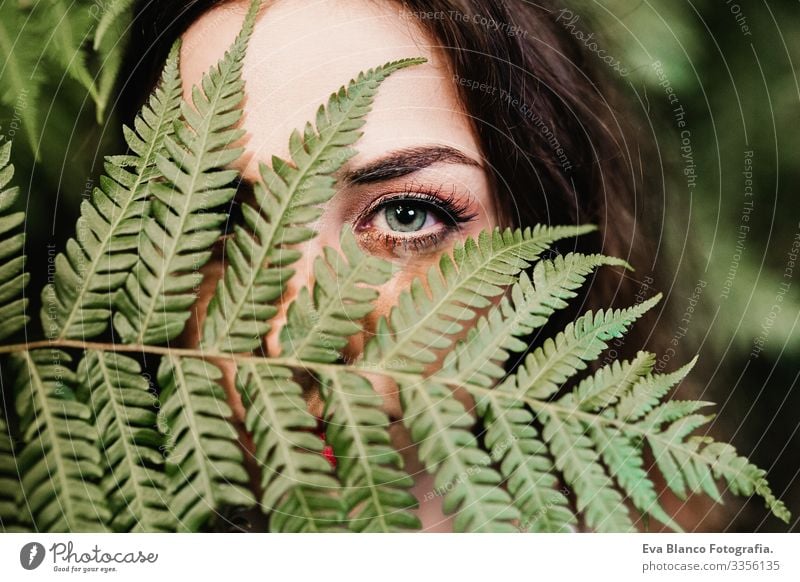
405,215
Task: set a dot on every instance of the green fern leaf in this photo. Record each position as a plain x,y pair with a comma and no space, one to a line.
533,301
308,510
204,462
159,292
576,458
693,463
297,482
610,382
317,329
125,417
21,77
114,12
525,465
110,45
424,322
742,477
669,411
288,199
66,28
60,462
648,392
624,461
10,486
13,277
376,493
96,264
549,366
440,425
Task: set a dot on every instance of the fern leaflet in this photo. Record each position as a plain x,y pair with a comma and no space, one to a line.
423,322
530,476
20,77
549,366
533,301
65,28
204,462
125,417
375,487
78,303
297,482
10,489
13,277
624,460
115,9
60,463
159,292
439,424
317,328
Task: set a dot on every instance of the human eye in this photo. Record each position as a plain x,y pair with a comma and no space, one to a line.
413,220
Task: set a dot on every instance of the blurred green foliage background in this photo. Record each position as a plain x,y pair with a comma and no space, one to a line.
731,65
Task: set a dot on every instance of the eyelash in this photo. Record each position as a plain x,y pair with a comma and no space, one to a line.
448,209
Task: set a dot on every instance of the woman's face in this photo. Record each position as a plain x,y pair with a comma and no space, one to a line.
418,183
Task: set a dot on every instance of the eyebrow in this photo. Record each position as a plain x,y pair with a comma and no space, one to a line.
405,161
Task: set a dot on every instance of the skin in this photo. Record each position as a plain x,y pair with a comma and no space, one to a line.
300,52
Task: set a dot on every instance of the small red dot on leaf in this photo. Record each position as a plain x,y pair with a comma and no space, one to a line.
327,451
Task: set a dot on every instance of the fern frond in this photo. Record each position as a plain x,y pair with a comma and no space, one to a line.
624,460
609,383
533,301
742,477
10,486
60,462
440,425
298,484
21,78
426,321
648,391
549,366
155,302
288,199
96,263
692,463
204,462
125,417
13,277
575,456
669,411
318,328
114,11
528,471
66,28
110,50
308,510
376,495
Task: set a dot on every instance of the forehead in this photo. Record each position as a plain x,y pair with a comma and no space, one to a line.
304,50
